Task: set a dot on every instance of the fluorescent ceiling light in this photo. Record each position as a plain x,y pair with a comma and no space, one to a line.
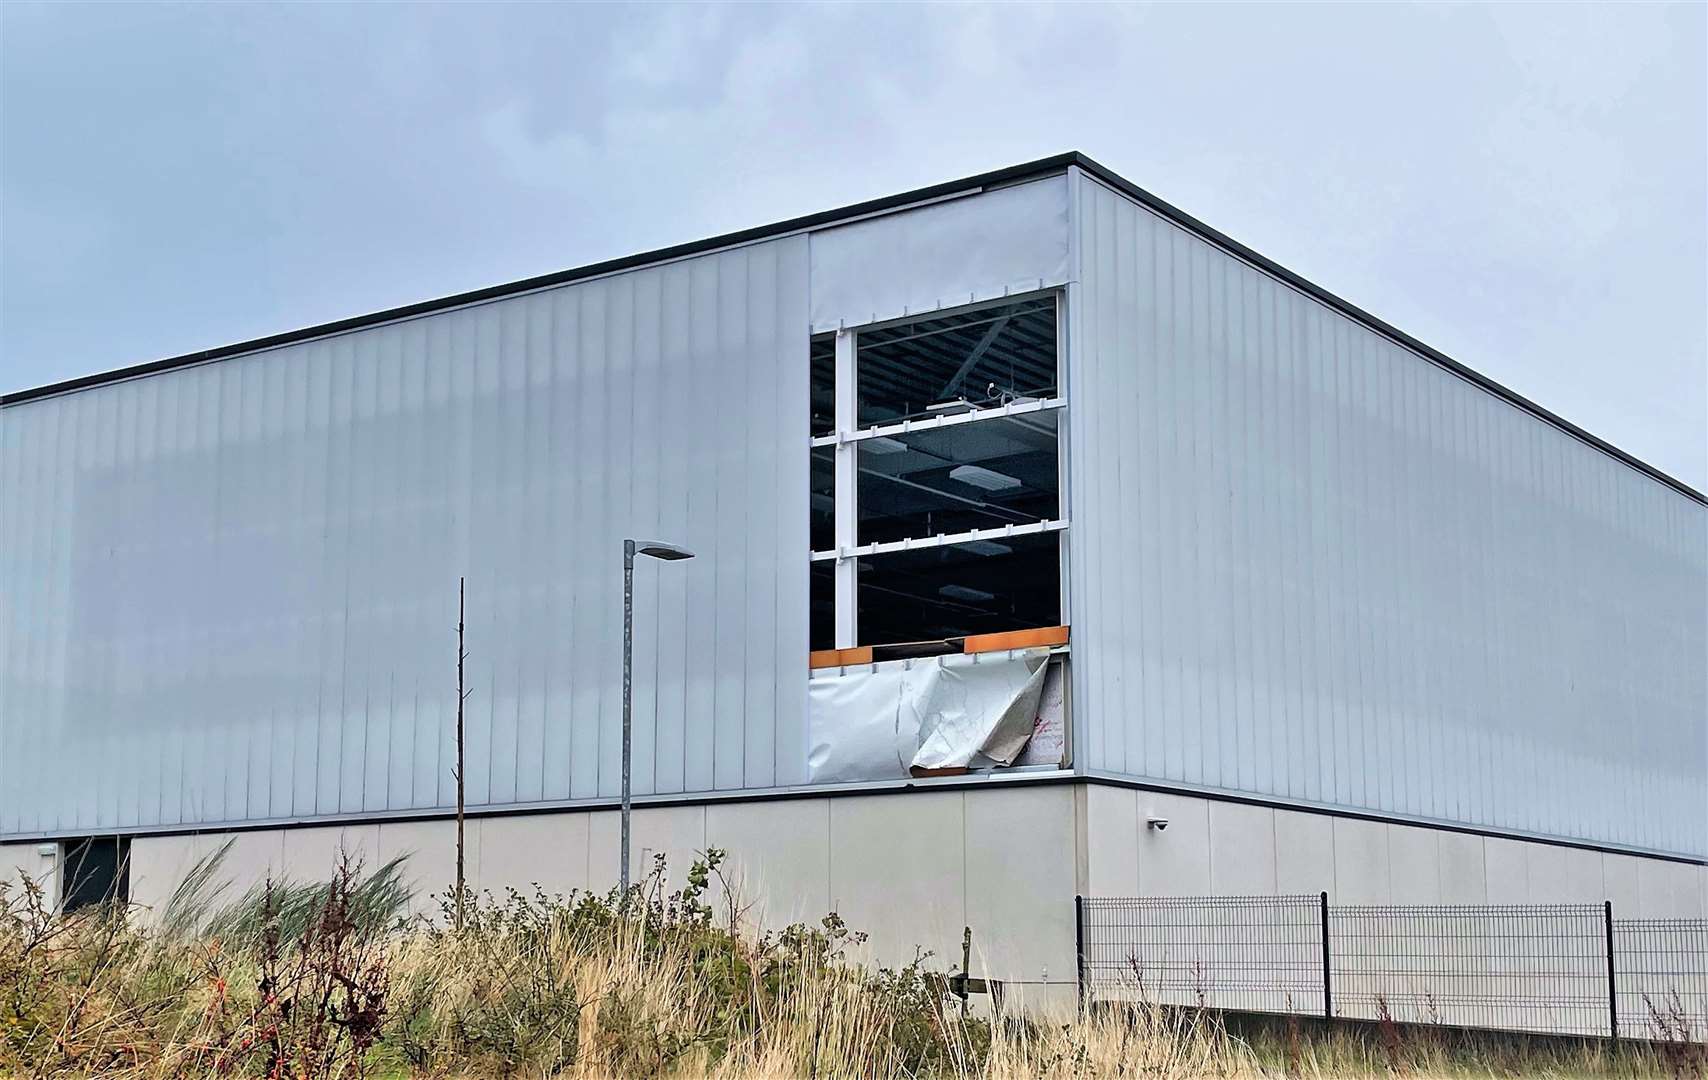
987,547
821,501
956,406
980,477
962,592
884,445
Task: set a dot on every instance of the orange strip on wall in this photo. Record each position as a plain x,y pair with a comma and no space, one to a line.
823,658
1017,639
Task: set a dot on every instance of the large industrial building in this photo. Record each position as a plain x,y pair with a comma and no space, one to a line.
1030,514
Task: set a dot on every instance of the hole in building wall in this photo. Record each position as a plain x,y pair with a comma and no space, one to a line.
822,498
94,870
823,383
954,479
983,587
821,619
971,358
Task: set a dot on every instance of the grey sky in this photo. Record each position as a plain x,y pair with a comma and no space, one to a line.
1524,187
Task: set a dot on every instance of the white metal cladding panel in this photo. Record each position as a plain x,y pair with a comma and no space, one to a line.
1308,563
975,247
229,591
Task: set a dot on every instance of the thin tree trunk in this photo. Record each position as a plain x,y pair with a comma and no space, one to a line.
461,697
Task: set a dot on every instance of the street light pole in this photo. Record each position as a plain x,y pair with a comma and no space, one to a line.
656,549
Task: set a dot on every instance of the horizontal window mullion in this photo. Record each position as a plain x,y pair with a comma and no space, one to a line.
998,412
942,540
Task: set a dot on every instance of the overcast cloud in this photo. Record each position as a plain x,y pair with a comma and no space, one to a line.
1524,187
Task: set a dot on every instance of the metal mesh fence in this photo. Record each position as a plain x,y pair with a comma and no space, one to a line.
1517,967
1661,976
1250,953
1567,969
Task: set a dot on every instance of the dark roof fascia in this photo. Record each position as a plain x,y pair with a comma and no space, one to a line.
969,185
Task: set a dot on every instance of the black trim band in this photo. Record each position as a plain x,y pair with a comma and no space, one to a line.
1013,174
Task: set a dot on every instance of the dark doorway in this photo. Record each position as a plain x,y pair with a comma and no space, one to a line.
96,870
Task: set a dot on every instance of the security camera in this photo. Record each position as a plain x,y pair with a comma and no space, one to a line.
1157,823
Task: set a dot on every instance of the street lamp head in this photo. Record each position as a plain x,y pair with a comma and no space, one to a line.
659,549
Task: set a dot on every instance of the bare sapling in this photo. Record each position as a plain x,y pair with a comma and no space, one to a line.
462,696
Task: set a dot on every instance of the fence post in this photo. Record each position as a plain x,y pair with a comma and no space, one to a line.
1328,987
1612,983
1079,948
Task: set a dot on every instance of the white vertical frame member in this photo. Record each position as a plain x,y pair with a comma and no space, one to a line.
1067,343
847,492
1064,476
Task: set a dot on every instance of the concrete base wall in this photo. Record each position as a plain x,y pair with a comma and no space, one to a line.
912,868
1222,848
909,869
1535,970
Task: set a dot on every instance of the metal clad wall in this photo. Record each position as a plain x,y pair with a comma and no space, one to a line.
1308,563
228,592
975,247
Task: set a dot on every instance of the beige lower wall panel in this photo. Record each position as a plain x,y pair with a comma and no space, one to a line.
1414,865
778,857
1173,861
676,832
1619,882
429,853
529,850
898,871
159,863
1304,853
1656,886
1463,874
314,854
911,869
1506,868
1112,840
1375,862
1693,894
1562,875
1218,847
1019,880
25,860
1242,849
1362,868
1671,890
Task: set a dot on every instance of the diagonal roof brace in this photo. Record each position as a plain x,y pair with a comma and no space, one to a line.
973,358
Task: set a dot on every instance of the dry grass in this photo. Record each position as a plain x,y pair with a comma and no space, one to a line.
329,981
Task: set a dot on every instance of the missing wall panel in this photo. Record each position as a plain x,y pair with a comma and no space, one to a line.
822,353
955,479
982,587
821,618
964,462
981,356
822,498
95,870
